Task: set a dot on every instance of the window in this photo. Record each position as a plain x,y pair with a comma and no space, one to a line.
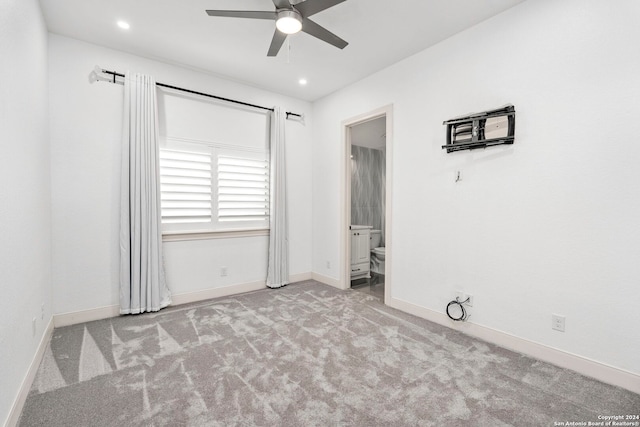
214,166
209,188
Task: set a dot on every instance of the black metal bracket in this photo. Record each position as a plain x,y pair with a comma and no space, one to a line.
470,132
300,116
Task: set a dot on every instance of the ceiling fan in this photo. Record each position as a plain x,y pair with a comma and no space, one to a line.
290,19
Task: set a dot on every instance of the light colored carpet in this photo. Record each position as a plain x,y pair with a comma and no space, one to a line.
303,355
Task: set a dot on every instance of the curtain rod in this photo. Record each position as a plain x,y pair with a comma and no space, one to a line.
116,74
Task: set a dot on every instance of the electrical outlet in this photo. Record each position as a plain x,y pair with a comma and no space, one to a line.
42,312
328,265
33,326
460,296
557,322
223,271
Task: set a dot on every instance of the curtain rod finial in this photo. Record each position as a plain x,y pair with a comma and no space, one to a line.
97,75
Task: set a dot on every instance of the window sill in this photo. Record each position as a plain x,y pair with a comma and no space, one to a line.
179,236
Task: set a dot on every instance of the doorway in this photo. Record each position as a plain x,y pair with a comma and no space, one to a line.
367,200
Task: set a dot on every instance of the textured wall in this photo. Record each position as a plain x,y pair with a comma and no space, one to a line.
368,187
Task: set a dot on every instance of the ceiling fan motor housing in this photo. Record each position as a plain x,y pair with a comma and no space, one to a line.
290,18
289,21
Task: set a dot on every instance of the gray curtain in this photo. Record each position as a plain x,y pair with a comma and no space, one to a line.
278,269
142,281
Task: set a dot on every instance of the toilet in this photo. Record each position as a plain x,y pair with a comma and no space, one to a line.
377,252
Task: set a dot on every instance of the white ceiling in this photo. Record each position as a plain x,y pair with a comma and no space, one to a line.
379,32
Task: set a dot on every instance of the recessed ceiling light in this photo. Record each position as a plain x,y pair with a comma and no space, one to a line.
302,82
124,25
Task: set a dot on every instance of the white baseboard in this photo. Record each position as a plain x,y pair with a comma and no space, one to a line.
301,277
21,398
189,297
72,318
582,365
327,280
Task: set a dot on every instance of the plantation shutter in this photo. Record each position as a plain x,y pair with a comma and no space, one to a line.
243,189
186,189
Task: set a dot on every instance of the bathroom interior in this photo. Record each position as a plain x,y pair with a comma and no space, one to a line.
368,193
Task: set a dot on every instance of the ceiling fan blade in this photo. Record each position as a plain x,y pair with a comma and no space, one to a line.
282,4
243,14
310,27
311,7
276,43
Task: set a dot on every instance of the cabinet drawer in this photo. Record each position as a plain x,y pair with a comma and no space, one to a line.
359,268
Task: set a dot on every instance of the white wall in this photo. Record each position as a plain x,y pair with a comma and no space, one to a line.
85,147
25,194
548,225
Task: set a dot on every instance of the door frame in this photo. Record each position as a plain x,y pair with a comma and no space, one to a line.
345,220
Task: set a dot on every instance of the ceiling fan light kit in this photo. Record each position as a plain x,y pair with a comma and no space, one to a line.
290,19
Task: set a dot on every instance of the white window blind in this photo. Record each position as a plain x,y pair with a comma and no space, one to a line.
208,188
243,189
186,190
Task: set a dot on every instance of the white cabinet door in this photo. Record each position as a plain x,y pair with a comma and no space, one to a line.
362,252
355,243
360,246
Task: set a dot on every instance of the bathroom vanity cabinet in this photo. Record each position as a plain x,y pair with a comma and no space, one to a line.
360,253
